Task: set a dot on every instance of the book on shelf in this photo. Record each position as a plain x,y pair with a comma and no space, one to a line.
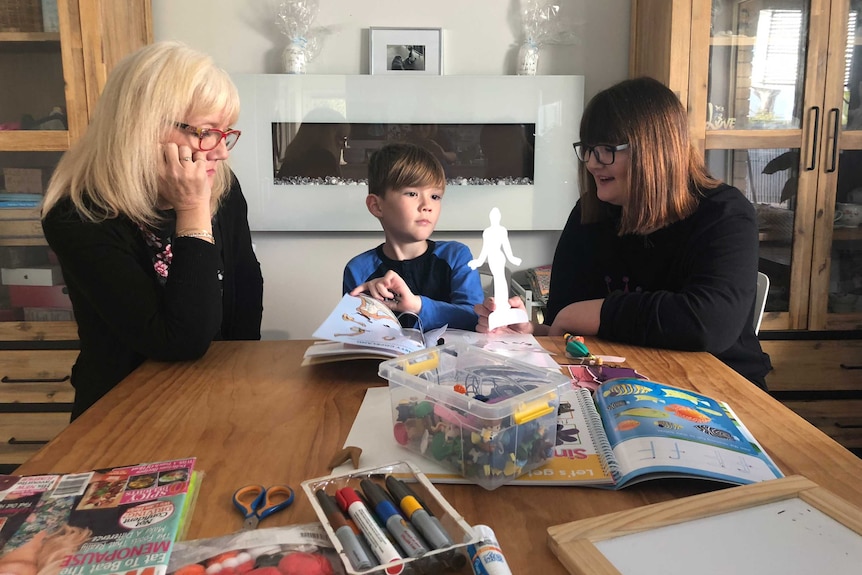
115,520
363,327
628,430
301,549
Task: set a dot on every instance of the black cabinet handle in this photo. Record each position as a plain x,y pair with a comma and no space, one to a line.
13,441
815,137
845,366
7,379
835,113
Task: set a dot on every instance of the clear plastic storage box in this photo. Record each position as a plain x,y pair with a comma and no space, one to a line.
411,510
486,417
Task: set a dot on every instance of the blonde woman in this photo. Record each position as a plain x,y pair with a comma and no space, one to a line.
149,224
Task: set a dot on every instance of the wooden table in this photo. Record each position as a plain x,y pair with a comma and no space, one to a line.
250,413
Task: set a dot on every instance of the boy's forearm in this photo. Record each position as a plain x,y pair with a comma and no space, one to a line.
436,313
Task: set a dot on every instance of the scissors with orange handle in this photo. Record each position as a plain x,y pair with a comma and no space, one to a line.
257,502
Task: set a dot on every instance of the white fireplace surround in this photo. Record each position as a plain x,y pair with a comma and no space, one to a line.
553,103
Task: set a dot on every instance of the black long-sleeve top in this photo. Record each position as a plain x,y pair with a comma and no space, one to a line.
127,312
689,286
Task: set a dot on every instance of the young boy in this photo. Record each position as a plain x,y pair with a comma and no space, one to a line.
408,271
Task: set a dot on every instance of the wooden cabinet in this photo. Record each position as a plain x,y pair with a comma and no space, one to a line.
821,380
52,73
773,90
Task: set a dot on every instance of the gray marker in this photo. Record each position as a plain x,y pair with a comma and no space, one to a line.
430,529
352,548
406,537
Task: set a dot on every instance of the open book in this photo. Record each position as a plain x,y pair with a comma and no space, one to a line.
361,326
629,430
117,520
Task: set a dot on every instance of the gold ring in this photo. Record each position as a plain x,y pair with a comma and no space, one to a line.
186,159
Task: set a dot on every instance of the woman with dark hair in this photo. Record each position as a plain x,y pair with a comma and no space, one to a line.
656,252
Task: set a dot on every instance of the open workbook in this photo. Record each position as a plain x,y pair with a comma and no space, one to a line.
361,326
628,430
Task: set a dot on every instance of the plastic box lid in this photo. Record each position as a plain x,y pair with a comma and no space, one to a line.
492,386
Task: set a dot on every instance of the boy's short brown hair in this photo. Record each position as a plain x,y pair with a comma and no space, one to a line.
399,166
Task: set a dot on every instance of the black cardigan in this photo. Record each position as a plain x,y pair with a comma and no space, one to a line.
124,313
688,286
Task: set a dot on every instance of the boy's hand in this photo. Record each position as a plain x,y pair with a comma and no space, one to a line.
484,309
392,290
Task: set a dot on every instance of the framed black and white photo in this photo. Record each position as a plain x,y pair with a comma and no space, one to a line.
406,51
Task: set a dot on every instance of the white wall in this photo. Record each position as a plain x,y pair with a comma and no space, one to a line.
302,271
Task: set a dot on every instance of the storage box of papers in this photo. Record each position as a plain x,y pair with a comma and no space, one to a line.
390,519
483,415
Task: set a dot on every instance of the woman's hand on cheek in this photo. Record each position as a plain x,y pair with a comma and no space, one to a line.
183,180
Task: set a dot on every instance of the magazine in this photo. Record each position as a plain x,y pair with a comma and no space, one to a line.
291,550
628,430
363,327
117,520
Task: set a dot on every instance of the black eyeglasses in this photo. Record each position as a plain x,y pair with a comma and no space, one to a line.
210,137
603,153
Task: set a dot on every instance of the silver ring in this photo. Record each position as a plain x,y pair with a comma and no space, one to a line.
186,159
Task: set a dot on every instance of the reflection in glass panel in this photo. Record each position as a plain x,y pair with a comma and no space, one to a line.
852,114
756,64
338,153
768,178
23,179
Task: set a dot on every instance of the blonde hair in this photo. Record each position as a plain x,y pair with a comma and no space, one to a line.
113,170
57,545
667,171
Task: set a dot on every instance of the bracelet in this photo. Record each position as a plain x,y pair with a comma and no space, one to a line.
202,234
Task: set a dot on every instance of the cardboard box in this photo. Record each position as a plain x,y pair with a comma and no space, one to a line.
23,180
35,276
485,416
40,296
443,559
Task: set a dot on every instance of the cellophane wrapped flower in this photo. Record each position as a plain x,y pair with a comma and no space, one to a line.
295,18
545,23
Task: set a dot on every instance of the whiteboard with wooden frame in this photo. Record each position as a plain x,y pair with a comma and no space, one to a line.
782,526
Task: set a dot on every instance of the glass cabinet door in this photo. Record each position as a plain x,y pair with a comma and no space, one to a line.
836,277
33,134
761,118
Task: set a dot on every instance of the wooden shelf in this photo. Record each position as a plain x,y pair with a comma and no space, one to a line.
846,234
732,40
34,140
29,37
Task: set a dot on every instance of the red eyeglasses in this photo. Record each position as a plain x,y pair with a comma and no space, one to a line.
210,137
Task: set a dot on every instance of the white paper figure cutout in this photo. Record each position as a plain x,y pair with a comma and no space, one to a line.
496,249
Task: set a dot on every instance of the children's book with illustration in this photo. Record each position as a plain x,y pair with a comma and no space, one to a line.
628,430
363,327
117,520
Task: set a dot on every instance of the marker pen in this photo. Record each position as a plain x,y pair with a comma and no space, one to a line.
350,502
430,529
354,551
395,524
363,542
